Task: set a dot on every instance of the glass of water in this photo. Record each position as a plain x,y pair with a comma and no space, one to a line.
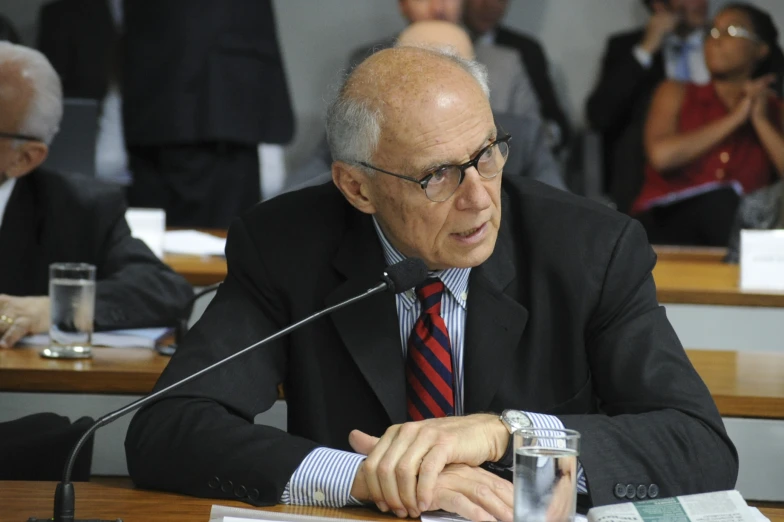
72,297
545,474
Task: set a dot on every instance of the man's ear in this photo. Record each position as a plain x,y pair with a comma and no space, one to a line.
29,155
355,186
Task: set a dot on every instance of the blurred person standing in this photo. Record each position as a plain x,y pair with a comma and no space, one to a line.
82,40
634,63
203,86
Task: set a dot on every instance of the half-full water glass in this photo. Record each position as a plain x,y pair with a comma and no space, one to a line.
545,474
72,297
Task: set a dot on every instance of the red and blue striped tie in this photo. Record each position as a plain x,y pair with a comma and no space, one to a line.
429,382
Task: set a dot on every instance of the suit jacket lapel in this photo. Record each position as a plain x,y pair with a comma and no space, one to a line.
370,330
494,323
20,235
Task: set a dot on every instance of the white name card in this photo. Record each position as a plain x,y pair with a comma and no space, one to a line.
762,260
149,225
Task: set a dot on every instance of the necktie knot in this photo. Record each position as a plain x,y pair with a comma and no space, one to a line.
429,294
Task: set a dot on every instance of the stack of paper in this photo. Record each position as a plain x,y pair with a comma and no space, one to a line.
135,338
194,243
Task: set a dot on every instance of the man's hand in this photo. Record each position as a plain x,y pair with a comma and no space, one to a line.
470,492
403,466
661,22
20,316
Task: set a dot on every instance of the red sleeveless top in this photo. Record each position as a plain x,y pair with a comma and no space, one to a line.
739,160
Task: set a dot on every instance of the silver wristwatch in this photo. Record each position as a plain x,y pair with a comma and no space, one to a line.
515,419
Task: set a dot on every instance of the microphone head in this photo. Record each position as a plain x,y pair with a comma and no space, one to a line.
405,275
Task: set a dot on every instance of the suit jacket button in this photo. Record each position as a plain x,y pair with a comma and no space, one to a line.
642,491
631,491
240,491
213,483
653,491
620,490
253,494
227,486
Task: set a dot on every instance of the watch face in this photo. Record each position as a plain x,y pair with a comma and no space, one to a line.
517,419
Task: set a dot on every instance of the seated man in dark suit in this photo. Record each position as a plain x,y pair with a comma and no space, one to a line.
634,63
46,218
482,17
547,313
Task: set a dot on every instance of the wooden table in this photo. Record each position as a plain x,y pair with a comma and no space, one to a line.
199,270
742,384
20,500
691,254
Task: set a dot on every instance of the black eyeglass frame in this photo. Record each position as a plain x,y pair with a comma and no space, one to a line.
23,137
462,168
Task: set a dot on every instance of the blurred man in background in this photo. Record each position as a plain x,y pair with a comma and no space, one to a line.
482,18
634,63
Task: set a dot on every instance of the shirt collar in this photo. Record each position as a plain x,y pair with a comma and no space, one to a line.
693,40
5,194
455,279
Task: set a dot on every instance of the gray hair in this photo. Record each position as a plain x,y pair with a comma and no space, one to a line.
354,123
43,116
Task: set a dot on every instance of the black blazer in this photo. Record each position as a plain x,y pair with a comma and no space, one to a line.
80,40
617,109
201,70
54,218
535,65
562,319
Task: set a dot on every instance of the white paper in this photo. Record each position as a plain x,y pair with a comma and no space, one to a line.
272,166
719,506
443,516
149,225
134,338
194,243
762,260
235,514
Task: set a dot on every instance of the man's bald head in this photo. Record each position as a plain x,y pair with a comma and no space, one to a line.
438,34
31,101
389,89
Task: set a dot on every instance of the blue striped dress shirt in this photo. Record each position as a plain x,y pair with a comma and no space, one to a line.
326,475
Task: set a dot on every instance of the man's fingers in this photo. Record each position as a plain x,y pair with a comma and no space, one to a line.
563,500
361,442
12,335
371,467
399,467
480,488
455,502
432,465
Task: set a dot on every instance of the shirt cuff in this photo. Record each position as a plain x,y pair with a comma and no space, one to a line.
643,56
324,478
552,422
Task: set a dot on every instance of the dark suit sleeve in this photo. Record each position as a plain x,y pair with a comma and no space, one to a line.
619,81
213,417
659,423
134,289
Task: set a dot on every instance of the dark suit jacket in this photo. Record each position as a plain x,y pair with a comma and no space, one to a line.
201,70
535,64
54,218
617,108
80,40
562,319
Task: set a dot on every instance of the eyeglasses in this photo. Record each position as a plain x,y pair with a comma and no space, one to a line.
733,31
440,184
23,137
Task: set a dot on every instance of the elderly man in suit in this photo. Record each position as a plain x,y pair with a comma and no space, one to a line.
47,217
634,63
543,304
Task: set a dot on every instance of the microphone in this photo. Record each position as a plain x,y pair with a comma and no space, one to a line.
396,279
182,323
